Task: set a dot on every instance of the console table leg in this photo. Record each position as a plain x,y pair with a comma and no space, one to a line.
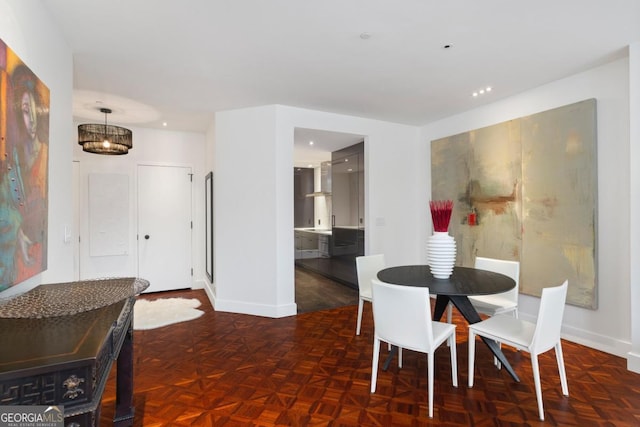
124,383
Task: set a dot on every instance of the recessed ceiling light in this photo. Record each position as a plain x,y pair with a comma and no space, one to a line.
365,36
310,142
482,91
164,124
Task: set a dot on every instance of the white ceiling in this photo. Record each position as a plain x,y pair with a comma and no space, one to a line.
325,142
179,62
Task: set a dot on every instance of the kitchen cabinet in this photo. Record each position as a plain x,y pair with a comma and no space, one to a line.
303,206
347,166
307,244
323,246
347,219
311,247
333,253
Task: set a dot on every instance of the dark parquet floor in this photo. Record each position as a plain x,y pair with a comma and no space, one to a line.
312,370
315,292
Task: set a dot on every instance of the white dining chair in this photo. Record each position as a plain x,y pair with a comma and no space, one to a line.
367,268
505,302
535,338
402,318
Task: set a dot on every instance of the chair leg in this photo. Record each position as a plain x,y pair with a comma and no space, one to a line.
399,357
454,359
536,379
472,356
561,370
430,370
359,323
374,363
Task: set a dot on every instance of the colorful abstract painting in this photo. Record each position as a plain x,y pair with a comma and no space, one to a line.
526,190
24,158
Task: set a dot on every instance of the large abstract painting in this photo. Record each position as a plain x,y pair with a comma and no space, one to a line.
24,149
526,190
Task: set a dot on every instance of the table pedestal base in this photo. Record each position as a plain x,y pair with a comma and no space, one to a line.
469,312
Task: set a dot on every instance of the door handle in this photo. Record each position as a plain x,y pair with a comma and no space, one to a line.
146,237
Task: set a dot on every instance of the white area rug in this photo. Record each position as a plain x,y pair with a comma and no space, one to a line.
165,311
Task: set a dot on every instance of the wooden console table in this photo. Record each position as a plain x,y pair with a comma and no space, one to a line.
58,343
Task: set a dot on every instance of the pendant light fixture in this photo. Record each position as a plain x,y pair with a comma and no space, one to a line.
104,139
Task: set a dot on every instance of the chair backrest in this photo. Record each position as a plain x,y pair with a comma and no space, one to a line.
402,315
549,321
367,268
508,268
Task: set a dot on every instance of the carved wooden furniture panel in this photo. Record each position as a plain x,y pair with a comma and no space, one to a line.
66,360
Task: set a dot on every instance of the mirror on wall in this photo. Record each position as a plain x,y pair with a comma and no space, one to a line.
208,203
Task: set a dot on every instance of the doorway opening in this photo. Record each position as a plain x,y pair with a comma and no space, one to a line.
328,216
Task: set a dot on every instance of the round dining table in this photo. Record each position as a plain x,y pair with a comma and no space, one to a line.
463,282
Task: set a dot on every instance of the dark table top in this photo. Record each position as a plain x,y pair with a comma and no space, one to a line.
463,281
60,323
38,343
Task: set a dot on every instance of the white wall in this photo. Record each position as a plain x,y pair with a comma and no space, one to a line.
27,29
633,357
608,327
245,214
209,158
151,147
395,193
254,259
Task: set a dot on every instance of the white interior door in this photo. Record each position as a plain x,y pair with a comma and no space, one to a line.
164,227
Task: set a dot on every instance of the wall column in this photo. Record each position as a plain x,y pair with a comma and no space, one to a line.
633,359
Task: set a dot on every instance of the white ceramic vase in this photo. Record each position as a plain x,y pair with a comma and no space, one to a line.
441,251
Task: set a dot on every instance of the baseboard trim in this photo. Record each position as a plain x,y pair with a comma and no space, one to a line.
198,284
263,310
242,307
603,343
208,289
633,362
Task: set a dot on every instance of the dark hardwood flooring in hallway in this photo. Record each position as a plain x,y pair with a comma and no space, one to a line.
315,292
226,369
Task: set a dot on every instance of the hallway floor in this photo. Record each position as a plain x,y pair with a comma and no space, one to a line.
315,292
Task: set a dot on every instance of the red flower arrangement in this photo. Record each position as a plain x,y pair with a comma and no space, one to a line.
441,214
